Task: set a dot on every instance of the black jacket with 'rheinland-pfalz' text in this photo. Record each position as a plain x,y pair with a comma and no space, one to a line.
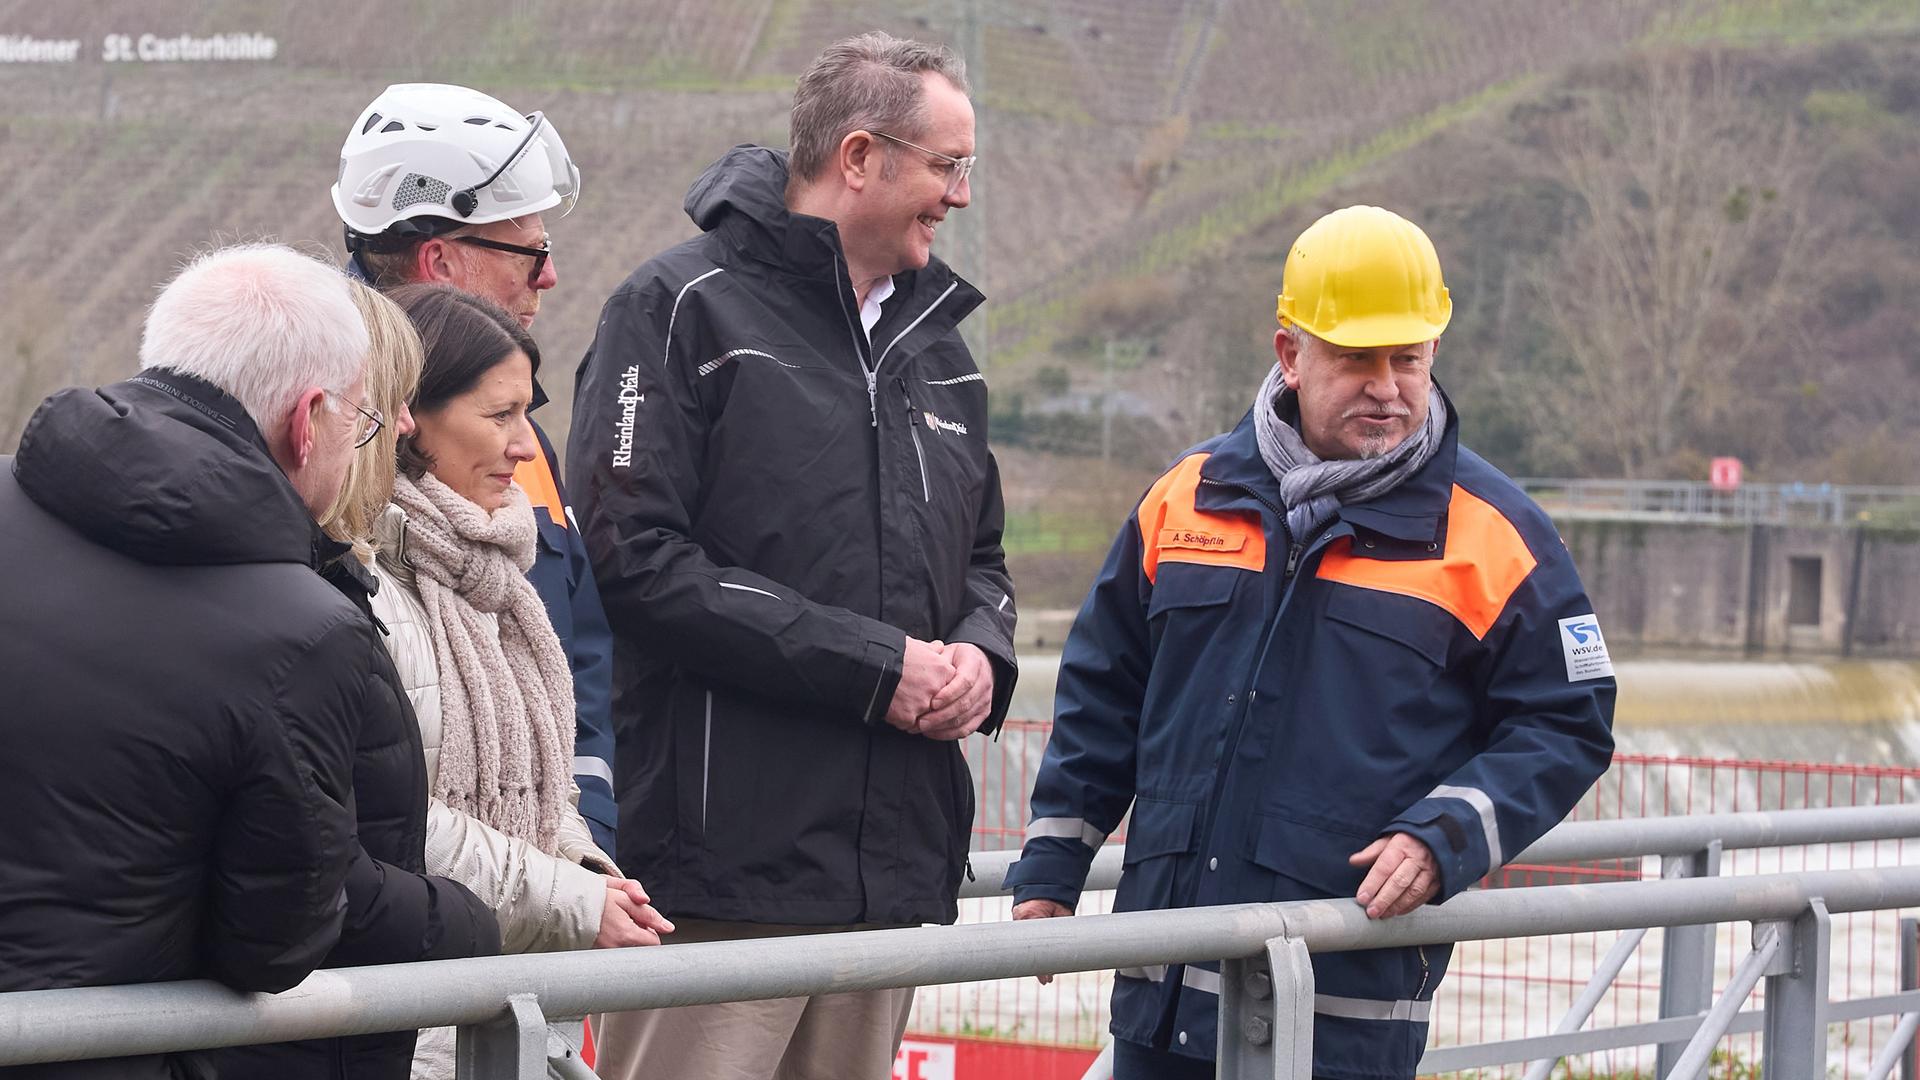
773,503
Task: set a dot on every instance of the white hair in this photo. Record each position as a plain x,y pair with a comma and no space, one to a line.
263,323
1304,339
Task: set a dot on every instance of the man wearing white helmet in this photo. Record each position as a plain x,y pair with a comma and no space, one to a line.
445,184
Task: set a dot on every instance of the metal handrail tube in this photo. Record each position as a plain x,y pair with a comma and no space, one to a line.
1890,1054
1590,996
1446,1059
55,1025
1621,838
1693,1061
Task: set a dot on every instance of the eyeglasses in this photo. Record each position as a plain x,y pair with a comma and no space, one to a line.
540,254
370,420
958,168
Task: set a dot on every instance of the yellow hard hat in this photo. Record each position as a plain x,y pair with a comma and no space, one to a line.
1365,277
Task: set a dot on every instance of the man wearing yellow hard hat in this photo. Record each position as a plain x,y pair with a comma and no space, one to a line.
1333,653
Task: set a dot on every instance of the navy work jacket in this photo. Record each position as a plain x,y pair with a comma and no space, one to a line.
564,579
1269,705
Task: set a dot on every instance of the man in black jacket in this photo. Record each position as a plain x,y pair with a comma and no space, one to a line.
791,508
206,765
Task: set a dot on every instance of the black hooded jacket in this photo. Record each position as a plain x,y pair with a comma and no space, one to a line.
772,504
207,769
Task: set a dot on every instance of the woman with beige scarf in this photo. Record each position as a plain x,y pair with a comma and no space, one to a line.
482,664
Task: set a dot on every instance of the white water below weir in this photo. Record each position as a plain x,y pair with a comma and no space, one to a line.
1864,712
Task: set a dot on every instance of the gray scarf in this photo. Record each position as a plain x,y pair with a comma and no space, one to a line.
1312,489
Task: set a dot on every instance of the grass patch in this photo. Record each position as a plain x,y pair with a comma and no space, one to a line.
1784,20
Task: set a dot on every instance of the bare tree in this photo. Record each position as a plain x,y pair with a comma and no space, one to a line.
1694,251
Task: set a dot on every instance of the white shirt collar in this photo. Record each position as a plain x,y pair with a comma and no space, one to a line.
870,309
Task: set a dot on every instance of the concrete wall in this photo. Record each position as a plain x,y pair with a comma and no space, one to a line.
1710,585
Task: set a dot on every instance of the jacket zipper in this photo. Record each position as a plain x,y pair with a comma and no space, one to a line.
926,489
1293,549
1239,724
871,371
1426,973
706,764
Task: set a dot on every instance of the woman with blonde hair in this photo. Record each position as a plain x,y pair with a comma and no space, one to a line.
478,657
393,374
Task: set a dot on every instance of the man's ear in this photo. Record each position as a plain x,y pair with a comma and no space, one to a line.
302,429
1288,352
859,160
433,262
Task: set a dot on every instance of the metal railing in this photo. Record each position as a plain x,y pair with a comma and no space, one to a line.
504,1004
1764,504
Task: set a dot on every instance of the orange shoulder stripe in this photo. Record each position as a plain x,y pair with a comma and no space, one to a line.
1172,529
1485,561
536,479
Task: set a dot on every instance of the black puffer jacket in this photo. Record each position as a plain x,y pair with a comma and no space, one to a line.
205,765
772,504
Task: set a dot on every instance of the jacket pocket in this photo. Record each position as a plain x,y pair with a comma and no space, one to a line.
1192,586
1158,834
1310,861
1405,621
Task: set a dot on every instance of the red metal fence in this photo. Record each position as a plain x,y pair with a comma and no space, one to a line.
1500,989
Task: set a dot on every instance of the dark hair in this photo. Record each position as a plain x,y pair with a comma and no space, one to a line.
464,337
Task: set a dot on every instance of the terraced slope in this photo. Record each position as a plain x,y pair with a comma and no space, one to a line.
1120,138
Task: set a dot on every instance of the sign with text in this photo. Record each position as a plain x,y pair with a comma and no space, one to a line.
140,49
960,1057
924,1061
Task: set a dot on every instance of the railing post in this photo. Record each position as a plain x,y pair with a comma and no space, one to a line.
510,1047
1910,980
1686,958
1266,1015
1794,1045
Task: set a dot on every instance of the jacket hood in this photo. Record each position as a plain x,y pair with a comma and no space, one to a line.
748,179
743,196
166,469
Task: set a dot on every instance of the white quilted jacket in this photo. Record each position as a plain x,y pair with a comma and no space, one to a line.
543,903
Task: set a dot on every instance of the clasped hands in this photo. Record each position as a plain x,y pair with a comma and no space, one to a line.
945,691
629,917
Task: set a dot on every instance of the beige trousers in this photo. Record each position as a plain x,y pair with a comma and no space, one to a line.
830,1037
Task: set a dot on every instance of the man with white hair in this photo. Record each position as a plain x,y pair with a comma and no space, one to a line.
190,704
1333,653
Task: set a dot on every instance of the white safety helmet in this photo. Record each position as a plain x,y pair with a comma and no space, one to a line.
427,151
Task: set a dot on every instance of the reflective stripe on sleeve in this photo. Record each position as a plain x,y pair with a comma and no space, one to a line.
1372,1008
1482,805
1066,828
1200,979
1195,978
594,767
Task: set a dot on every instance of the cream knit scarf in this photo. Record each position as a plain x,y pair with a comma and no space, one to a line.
506,690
